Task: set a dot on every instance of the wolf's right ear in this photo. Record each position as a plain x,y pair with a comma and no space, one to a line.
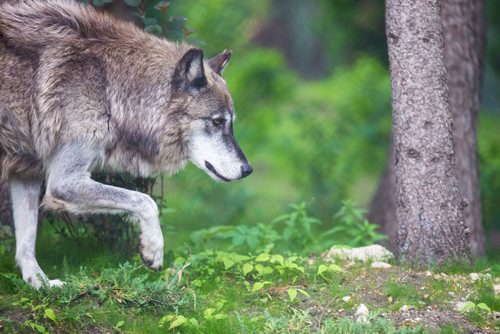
189,72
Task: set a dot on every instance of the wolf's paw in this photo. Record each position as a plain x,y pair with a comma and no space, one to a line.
151,250
38,280
55,283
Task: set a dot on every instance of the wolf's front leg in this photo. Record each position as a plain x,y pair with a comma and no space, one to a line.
70,188
25,199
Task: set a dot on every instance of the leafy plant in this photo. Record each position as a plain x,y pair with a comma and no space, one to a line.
477,313
297,232
351,228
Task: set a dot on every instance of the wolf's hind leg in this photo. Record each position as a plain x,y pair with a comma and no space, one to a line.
70,188
25,196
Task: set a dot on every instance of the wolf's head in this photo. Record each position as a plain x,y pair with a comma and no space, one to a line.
210,115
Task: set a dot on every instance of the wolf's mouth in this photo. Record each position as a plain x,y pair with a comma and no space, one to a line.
212,169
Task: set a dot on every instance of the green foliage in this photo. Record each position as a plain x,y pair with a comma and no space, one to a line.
489,156
219,24
374,325
343,124
256,270
351,228
294,232
297,230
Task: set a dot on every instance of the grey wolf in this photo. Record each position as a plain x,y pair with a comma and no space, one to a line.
80,90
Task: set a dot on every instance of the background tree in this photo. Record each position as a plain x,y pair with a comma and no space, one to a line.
428,201
463,26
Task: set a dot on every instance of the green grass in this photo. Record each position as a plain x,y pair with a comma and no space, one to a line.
450,329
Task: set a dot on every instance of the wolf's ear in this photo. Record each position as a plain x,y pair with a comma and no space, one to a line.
189,71
219,62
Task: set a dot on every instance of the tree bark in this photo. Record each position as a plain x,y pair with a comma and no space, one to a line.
428,202
463,25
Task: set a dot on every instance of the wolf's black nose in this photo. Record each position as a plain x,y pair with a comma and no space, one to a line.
246,170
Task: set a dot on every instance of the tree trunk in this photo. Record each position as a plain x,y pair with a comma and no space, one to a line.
463,25
428,202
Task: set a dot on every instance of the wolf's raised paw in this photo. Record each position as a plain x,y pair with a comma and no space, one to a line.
151,250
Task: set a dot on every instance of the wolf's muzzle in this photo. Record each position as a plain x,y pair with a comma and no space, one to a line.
212,169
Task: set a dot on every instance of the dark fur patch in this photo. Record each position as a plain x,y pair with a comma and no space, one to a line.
25,164
31,56
137,142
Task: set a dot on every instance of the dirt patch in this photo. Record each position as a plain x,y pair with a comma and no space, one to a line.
433,309
432,318
12,321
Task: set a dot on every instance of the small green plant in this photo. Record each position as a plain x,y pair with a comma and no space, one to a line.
119,325
477,313
351,228
297,232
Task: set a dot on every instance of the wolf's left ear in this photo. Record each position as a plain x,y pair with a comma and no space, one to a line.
189,71
219,62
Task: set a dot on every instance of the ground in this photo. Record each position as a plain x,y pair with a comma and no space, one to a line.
226,292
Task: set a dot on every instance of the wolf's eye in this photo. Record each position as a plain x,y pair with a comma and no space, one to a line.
218,121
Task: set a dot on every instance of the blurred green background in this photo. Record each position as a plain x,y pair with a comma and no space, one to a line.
311,87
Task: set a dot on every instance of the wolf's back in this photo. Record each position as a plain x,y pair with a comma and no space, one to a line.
32,24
